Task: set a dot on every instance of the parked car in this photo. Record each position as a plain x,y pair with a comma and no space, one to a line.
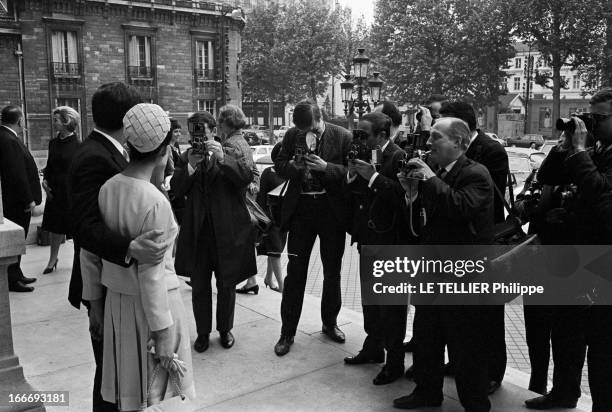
497,139
263,163
280,132
526,140
261,151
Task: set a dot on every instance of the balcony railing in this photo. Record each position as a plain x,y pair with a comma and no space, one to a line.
204,74
141,72
63,69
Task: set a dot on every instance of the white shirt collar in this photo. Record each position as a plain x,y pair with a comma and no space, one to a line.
111,139
321,128
12,131
474,136
382,149
449,166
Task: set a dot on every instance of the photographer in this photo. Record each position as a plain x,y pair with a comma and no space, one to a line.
590,169
556,326
376,202
313,158
217,233
458,201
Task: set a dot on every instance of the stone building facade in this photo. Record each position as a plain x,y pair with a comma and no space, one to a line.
183,55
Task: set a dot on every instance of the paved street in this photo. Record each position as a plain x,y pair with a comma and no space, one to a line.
51,340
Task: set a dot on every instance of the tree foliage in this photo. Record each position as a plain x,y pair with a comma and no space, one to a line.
290,53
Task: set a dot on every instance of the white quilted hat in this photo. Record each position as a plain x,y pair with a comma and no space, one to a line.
146,126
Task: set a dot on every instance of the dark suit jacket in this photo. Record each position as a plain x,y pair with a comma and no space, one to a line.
217,191
493,156
96,161
380,205
19,174
591,172
460,207
334,148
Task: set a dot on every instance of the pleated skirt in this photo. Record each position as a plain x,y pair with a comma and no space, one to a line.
127,366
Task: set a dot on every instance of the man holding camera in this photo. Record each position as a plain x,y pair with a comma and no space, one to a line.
376,202
217,234
313,158
458,201
590,169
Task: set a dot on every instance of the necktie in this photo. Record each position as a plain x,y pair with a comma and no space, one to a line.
442,173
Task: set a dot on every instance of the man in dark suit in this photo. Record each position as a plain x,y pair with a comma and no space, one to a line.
100,157
20,186
313,158
493,156
459,206
376,202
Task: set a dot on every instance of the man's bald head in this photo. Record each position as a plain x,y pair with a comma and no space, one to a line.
449,140
456,129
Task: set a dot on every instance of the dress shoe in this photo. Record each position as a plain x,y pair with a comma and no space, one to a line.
493,387
388,374
283,346
409,373
449,369
365,357
334,333
201,343
26,281
550,401
19,286
246,290
414,401
227,339
409,346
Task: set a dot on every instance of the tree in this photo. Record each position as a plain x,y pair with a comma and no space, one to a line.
565,32
451,47
309,48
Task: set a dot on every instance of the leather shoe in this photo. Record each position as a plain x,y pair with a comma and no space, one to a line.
283,345
387,375
550,401
19,286
409,373
414,401
227,339
334,333
27,281
201,343
493,387
365,357
409,346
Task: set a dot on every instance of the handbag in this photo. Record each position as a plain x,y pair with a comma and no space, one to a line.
259,218
275,199
179,403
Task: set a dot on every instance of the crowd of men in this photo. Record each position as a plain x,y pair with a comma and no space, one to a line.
379,199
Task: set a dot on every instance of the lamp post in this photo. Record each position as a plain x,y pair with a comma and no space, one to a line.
358,82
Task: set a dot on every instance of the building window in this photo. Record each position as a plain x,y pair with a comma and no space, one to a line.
205,60
517,83
139,63
539,62
576,82
64,53
207,106
518,63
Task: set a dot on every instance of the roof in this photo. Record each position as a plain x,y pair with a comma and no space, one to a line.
506,100
521,47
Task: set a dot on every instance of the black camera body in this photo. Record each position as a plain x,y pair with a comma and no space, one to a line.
359,149
197,131
568,125
299,155
415,154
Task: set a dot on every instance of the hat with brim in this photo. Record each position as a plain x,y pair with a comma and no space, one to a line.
146,126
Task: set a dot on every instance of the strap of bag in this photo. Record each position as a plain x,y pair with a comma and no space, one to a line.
503,199
152,381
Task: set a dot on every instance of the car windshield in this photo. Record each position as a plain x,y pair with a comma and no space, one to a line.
266,160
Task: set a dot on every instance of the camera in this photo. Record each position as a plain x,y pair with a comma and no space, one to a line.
533,192
568,125
416,154
359,149
197,130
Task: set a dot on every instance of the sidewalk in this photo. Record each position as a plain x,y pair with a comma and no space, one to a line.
52,341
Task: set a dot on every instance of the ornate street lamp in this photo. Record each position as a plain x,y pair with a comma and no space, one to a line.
358,81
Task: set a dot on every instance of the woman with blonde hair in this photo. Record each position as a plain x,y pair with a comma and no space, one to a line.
56,218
